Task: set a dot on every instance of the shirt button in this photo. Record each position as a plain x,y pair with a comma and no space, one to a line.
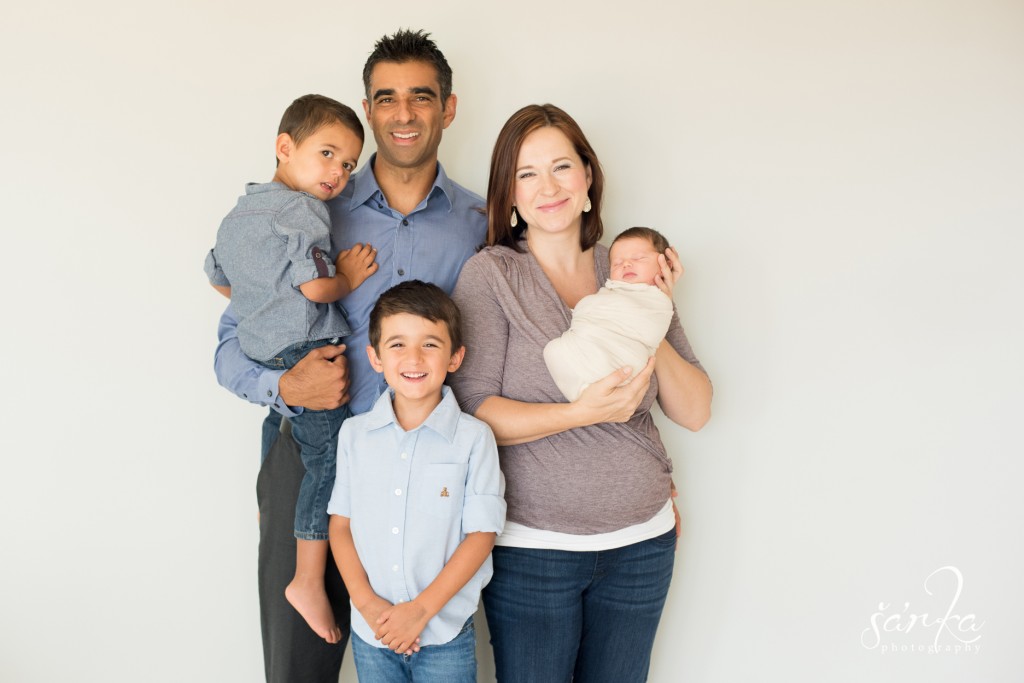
404,456
398,492
405,222
394,529
269,392
394,568
401,271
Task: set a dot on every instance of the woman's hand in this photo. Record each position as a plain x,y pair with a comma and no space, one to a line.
671,271
609,400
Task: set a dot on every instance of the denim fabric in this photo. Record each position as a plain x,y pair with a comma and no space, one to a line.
265,249
589,617
316,432
451,662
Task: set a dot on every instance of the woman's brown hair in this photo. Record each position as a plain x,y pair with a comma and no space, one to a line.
501,182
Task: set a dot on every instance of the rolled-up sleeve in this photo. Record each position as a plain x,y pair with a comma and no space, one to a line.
304,225
484,505
214,272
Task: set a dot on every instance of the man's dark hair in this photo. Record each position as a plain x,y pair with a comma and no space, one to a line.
418,298
409,46
308,113
649,234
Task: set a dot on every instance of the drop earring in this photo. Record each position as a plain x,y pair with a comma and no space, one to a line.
587,207
514,221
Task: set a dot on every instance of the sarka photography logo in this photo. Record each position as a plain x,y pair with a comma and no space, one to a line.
900,628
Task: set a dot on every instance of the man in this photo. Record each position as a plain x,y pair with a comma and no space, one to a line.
424,226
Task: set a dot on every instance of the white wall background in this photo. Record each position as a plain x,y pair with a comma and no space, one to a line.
843,180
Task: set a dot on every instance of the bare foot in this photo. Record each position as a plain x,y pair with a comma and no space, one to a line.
312,604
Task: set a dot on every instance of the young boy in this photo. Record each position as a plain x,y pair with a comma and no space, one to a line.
622,324
271,259
417,500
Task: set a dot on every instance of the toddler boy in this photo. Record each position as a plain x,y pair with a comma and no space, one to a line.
622,324
417,501
271,259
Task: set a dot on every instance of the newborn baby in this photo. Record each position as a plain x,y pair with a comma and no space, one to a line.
622,324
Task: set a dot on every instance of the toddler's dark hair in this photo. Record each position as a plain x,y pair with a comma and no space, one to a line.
306,115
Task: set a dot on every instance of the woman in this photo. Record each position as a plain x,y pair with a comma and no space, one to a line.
583,566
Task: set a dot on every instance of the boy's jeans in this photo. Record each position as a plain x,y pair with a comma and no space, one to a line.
316,432
451,662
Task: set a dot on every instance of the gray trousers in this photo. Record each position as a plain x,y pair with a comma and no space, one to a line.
292,652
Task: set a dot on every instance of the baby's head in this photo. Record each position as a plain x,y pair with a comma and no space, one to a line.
318,146
634,255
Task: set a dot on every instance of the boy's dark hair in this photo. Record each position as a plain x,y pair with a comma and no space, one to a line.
423,299
308,113
649,234
409,46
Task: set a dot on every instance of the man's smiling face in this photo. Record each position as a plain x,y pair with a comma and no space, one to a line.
406,113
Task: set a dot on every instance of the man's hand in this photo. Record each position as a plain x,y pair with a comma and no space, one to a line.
317,382
357,264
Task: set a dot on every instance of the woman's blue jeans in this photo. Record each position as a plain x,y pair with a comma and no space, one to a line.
586,617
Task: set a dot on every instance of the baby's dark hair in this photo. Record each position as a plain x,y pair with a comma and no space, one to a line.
650,234
423,299
308,113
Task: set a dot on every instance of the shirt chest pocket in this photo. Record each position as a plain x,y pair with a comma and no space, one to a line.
441,490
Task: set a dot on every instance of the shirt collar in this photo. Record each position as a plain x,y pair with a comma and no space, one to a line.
444,419
259,188
366,187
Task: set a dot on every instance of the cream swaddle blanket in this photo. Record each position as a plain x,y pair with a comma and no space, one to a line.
622,324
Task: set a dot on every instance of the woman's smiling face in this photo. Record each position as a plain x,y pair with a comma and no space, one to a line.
551,182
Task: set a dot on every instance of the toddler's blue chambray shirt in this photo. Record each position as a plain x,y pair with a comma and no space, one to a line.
412,497
264,251
430,243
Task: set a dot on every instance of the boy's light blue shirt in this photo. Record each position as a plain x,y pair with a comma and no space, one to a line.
431,243
412,497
